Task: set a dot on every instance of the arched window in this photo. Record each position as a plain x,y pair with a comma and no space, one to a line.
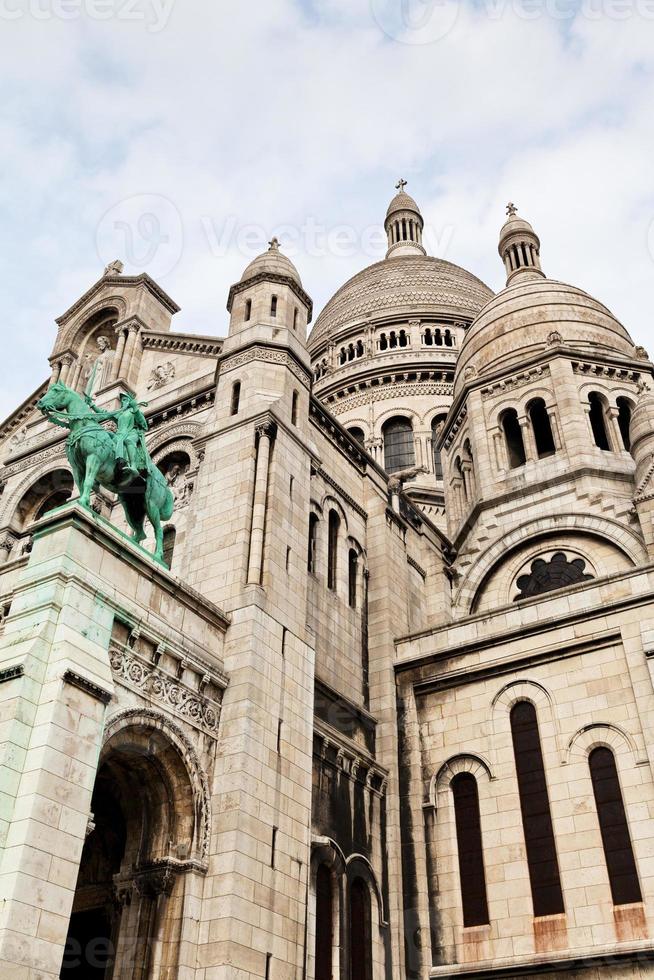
403,339
428,338
470,848
324,924
313,543
236,397
624,421
542,428
294,404
360,931
438,337
360,349
618,852
273,306
399,452
598,421
448,338
357,433
352,577
332,550
542,859
383,343
248,309
515,446
438,461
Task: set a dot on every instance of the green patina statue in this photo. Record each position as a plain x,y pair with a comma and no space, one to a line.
118,461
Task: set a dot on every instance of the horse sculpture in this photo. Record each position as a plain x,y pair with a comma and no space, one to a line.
99,457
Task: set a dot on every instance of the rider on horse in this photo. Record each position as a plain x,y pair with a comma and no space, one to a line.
131,452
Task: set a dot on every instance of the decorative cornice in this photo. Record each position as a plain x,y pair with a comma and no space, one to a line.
339,435
239,287
97,692
606,371
540,371
414,564
183,343
11,673
343,755
270,354
141,280
23,412
186,406
386,387
319,471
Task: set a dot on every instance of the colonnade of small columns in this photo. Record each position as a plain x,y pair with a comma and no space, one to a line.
67,367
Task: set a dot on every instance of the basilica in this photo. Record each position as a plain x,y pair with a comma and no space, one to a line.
378,707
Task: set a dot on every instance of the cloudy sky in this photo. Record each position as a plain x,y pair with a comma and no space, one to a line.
179,135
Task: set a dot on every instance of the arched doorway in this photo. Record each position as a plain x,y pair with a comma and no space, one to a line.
51,490
147,835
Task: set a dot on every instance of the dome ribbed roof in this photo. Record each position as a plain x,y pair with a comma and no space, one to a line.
410,285
527,316
402,202
273,261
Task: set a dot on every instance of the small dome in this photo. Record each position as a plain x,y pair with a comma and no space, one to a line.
402,202
272,262
531,315
407,286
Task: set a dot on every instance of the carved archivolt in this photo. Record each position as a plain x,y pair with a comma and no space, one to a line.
188,430
149,718
465,762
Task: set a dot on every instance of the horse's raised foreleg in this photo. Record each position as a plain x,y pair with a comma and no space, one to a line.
90,475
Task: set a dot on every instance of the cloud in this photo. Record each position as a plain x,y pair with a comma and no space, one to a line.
299,114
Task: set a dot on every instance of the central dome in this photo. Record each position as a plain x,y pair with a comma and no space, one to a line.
409,286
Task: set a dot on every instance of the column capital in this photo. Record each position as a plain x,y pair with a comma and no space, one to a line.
267,428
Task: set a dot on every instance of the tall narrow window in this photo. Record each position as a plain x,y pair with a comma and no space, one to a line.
352,577
313,543
295,318
624,421
332,551
169,536
273,306
618,852
248,309
324,924
598,421
360,931
236,397
399,452
294,403
515,446
470,848
543,863
542,428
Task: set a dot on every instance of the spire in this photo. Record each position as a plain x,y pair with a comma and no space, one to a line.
519,248
403,224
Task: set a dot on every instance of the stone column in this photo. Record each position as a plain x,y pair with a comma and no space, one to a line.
66,364
128,354
615,434
118,356
556,432
265,435
528,439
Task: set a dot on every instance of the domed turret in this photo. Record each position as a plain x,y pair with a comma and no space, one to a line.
519,248
270,291
403,225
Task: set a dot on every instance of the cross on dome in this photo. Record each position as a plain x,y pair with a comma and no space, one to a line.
511,209
274,245
401,184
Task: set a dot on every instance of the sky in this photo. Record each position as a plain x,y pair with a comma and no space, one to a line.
181,135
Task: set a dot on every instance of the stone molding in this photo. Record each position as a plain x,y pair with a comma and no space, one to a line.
385,388
414,564
283,280
333,750
143,279
187,406
183,343
357,508
11,673
147,679
84,684
271,355
501,387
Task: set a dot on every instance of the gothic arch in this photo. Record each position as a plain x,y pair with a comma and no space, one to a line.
591,736
623,538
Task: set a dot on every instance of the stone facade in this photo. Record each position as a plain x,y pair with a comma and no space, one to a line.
387,712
